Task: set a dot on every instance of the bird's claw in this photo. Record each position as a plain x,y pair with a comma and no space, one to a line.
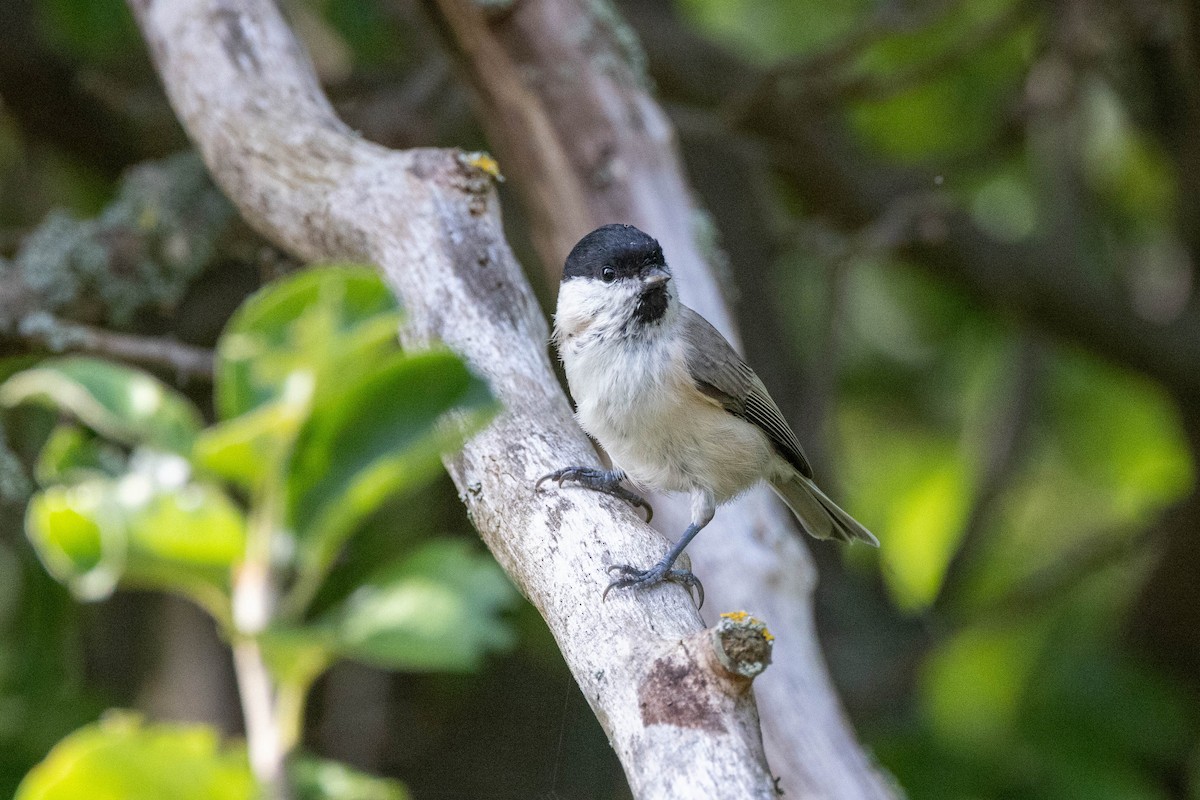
598,481
631,577
634,499
558,476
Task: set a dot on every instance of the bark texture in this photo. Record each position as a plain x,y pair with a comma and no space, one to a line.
247,96
564,99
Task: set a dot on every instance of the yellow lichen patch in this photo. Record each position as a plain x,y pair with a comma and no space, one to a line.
741,617
484,162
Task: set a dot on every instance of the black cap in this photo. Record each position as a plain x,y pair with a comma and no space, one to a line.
622,247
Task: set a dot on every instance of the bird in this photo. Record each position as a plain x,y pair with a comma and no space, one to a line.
671,402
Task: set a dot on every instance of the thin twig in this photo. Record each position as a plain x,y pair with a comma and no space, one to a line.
61,336
263,740
254,605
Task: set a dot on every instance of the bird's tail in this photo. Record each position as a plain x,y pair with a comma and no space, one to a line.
818,515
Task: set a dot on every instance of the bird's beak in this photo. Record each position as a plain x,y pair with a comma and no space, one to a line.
655,276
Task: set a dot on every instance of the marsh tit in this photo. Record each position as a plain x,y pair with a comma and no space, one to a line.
675,407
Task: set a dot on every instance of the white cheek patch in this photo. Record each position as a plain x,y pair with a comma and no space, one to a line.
573,313
586,304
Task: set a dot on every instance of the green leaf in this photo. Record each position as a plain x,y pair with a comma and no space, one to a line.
252,448
329,324
377,438
318,779
150,527
196,525
118,402
73,453
62,523
297,654
120,758
438,609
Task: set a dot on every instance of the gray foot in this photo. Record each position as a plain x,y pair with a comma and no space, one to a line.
598,480
633,578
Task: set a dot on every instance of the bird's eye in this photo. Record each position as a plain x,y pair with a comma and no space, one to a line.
608,274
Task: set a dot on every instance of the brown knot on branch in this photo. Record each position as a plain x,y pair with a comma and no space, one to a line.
742,644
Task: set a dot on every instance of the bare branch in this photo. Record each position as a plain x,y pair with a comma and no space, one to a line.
248,97
59,336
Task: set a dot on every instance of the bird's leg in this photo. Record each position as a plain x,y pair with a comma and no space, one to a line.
703,508
598,480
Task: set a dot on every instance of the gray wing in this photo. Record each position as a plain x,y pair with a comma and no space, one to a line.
720,373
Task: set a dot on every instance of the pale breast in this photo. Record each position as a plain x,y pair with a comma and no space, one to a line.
640,403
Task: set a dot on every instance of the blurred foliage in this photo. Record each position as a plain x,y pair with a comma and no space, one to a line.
953,422
120,759
1019,486
433,611
313,445
122,404
1029,688
1103,455
318,779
